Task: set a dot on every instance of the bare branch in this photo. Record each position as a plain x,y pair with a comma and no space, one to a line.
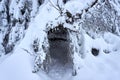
56,6
53,5
27,51
60,8
94,3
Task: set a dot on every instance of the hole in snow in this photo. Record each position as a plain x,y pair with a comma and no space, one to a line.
95,51
106,51
60,52
58,38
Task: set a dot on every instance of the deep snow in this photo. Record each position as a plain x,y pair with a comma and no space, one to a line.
19,65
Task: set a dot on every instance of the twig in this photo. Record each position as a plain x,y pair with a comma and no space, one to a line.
57,7
27,51
94,3
53,5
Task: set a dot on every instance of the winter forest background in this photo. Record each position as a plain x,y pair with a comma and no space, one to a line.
94,34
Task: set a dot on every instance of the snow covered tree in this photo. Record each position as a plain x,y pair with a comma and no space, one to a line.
15,16
101,18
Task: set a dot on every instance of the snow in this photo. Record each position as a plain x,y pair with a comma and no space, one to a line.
112,40
116,5
15,10
35,8
19,65
101,67
75,6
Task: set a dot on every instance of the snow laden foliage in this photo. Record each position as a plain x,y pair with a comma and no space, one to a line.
102,17
94,19
15,16
67,21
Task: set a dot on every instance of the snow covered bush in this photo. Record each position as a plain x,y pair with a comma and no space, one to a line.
41,55
36,45
64,21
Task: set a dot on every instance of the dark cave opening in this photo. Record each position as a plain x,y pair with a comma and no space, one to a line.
59,42
95,51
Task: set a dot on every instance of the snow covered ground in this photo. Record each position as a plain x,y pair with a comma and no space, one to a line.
19,65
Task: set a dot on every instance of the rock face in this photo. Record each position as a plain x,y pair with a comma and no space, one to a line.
59,41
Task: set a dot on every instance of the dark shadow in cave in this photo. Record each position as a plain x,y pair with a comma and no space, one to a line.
59,42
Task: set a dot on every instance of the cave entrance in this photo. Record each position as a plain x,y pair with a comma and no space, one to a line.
59,42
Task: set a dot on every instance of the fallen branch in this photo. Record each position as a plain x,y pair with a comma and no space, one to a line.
27,51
